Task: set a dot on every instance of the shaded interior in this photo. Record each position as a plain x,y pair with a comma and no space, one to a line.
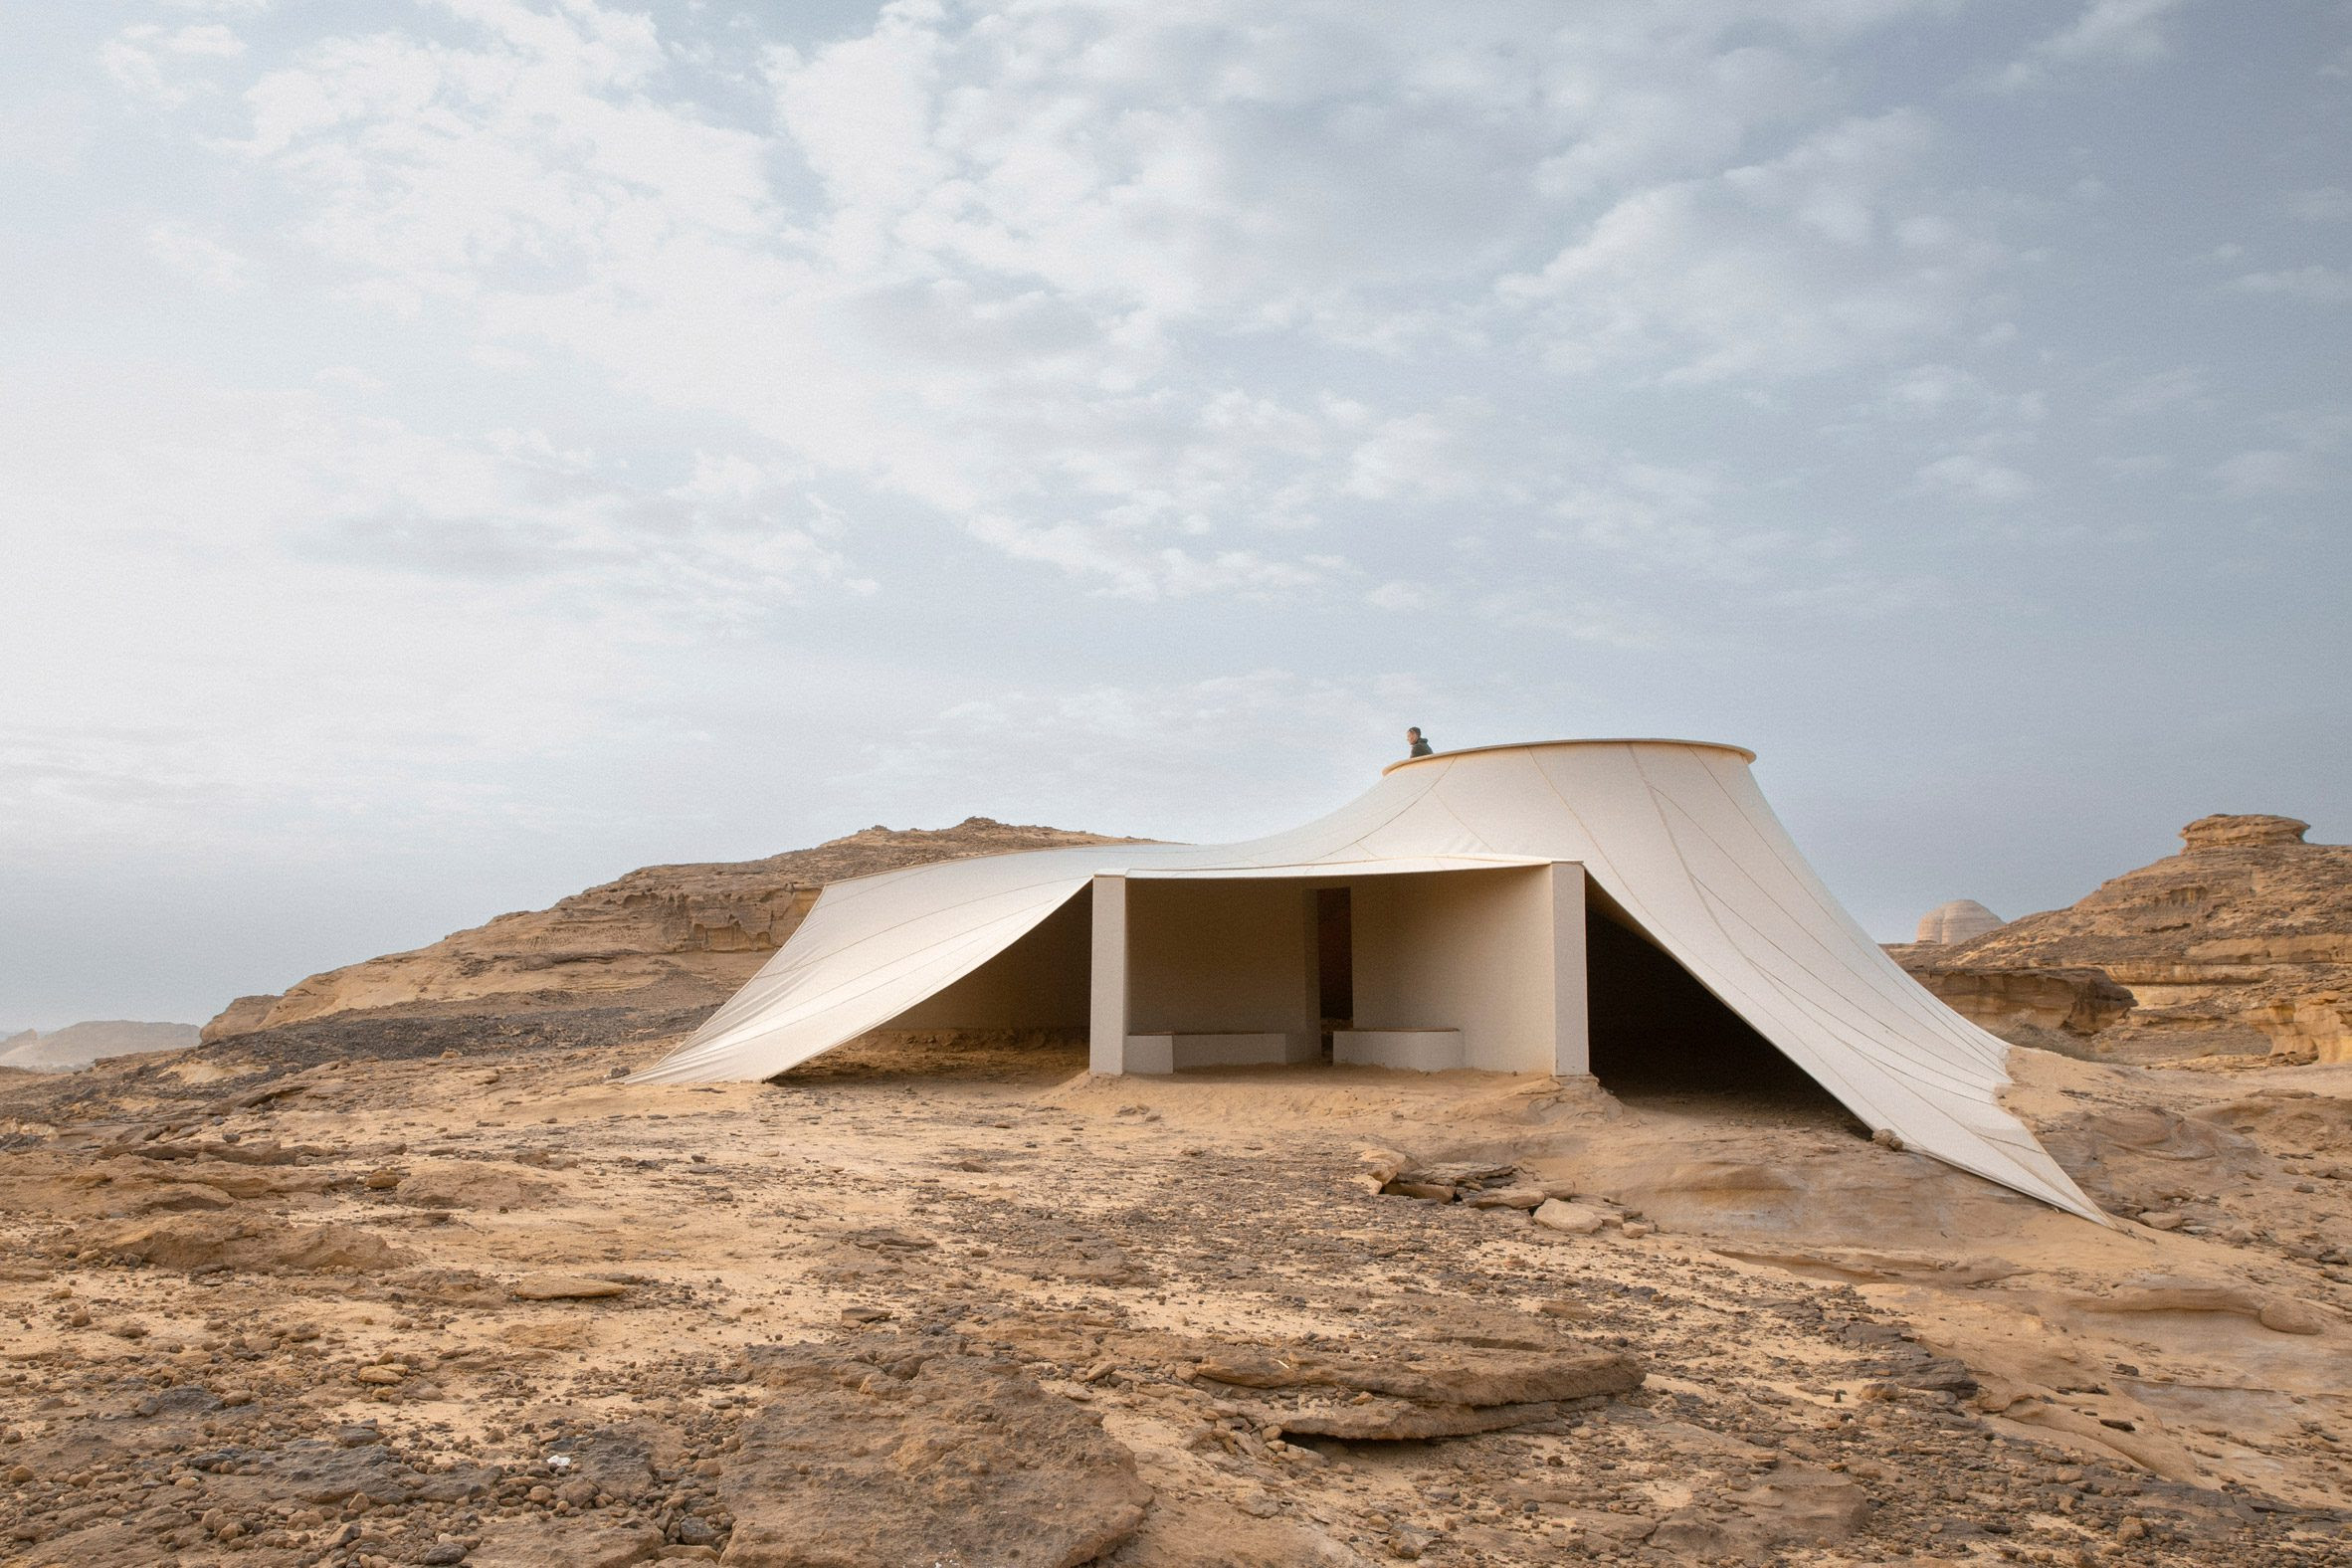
1657,1031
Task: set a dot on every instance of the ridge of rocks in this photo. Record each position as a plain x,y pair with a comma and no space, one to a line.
2240,944
650,947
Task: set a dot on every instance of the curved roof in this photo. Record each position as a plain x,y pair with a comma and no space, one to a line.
1675,832
1538,745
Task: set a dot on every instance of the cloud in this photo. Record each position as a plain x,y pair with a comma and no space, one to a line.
1140,756
152,62
2163,391
2104,30
198,256
2268,471
1965,473
2324,204
1835,253
1026,268
1946,391
2316,284
1655,519
2308,464
1579,618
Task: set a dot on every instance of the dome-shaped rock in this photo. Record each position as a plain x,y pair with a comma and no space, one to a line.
1957,921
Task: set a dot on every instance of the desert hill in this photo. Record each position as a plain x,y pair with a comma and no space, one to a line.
651,950
2241,943
78,1044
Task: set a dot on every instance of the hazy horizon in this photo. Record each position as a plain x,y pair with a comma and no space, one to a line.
458,452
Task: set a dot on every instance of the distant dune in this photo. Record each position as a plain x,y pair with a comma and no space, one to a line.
78,1044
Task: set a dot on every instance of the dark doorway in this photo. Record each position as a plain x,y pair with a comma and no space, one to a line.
1657,1031
1336,973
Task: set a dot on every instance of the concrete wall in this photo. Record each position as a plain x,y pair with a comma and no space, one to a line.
1497,954
1221,957
1040,982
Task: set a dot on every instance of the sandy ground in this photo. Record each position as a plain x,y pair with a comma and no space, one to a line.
261,1313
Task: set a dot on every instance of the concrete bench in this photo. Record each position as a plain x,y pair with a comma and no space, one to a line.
1411,1049
1177,1053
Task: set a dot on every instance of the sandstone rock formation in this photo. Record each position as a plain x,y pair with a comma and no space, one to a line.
2241,943
78,1044
1961,920
662,941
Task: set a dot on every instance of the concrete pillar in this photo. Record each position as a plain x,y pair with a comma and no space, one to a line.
1572,1040
1107,1013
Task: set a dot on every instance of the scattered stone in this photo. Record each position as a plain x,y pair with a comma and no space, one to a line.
1570,1219
565,1288
1508,1197
1447,1395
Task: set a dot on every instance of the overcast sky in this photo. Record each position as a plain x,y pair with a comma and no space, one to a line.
454,453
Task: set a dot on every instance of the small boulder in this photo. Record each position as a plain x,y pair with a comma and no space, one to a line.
1508,1198
565,1288
1570,1219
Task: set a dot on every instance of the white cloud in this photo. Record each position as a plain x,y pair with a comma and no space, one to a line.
1398,596
1658,519
1138,757
2163,391
153,62
2104,30
1579,618
2323,204
2268,471
1976,477
2309,465
1834,254
2320,285
999,262
1947,391
198,256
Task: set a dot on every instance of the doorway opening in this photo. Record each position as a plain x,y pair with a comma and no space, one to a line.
1657,1032
1335,965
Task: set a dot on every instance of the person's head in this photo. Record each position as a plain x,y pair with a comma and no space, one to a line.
1413,733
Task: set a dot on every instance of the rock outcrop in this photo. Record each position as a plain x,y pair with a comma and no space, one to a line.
662,941
2240,944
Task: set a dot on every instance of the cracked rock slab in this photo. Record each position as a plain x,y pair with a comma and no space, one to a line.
897,1455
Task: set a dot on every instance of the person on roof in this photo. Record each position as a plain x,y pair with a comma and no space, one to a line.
1420,748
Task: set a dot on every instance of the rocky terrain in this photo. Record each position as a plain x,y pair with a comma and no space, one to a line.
954,1301
78,1044
644,956
2240,944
